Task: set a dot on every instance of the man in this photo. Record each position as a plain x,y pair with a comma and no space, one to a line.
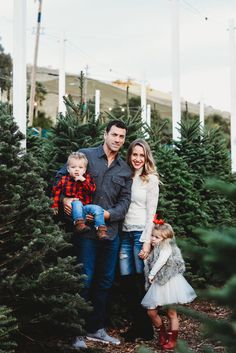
113,191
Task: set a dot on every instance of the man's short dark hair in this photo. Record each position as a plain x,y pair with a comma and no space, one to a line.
118,123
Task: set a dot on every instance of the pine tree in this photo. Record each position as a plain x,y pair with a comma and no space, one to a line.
207,156
7,328
77,129
39,282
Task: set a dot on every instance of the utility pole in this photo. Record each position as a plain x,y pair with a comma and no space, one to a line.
232,50
97,104
149,115
143,103
62,77
34,67
85,89
202,112
176,104
19,65
127,101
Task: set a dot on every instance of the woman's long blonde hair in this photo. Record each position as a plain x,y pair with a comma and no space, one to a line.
149,164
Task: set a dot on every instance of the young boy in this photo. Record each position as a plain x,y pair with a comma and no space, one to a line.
80,186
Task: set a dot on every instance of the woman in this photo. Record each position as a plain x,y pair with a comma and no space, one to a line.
136,235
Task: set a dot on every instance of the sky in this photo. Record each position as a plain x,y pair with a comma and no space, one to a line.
131,39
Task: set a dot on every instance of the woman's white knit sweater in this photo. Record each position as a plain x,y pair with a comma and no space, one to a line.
144,199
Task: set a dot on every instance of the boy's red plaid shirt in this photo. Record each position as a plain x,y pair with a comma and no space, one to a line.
68,187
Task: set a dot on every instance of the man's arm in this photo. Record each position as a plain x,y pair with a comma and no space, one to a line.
118,212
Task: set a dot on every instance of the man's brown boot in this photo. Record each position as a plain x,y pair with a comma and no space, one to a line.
102,232
80,226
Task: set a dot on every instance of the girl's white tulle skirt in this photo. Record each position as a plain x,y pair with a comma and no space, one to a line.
176,291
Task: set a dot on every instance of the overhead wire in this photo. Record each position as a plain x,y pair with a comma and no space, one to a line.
204,16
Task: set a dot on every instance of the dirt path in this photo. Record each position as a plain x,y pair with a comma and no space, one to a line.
189,331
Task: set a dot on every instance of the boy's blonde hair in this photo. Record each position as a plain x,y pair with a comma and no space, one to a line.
77,155
165,229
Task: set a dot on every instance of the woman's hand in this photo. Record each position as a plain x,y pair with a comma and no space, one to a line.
145,251
150,279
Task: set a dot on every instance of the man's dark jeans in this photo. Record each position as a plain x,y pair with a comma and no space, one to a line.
99,258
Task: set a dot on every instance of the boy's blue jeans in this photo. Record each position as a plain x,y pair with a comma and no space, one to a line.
80,211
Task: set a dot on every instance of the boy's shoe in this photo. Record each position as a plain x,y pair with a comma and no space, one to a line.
102,232
80,226
102,336
79,342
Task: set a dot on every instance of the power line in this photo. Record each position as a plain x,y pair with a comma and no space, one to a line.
108,68
203,16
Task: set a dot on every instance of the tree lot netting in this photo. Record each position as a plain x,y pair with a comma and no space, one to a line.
41,282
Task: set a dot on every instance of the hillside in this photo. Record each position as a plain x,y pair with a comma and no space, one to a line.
110,91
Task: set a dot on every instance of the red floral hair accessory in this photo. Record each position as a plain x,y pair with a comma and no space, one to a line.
158,221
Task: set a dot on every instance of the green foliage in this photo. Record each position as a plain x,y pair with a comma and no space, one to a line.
216,121
206,156
5,72
72,132
8,327
38,280
161,124
143,349
41,121
40,93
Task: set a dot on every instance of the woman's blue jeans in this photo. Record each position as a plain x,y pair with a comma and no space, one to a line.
79,211
130,262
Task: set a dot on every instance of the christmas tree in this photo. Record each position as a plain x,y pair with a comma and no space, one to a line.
7,328
39,282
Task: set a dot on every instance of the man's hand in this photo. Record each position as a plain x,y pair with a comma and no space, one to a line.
106,215
67,201
145,251
89,217
55,211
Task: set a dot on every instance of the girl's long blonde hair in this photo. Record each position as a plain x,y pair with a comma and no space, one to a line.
149,164
165,230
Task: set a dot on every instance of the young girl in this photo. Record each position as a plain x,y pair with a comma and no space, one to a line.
164,281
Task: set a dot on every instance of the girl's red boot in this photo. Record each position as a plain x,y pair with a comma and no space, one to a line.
172,340
162,334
